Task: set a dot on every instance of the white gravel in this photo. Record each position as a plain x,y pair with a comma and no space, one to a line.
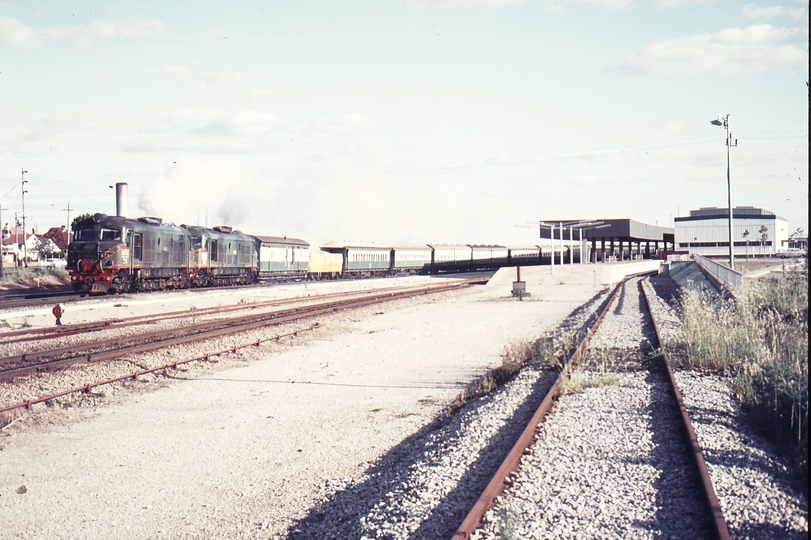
332,434
610,462
751,482
244,449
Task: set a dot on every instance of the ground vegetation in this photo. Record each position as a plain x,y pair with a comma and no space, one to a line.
759,343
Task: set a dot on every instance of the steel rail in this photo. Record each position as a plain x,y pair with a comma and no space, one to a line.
719,526
501,478
206,332
87,388
54,332
203,326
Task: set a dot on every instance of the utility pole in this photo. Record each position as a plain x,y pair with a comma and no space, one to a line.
1,241
22,188
67,223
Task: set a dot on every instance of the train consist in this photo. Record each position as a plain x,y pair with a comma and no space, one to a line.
113,254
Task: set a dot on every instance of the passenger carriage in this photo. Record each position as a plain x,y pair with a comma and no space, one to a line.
451,257
362,259
524,255
412,258
488,256
282,258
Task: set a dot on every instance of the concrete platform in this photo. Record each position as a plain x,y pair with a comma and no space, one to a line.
539,279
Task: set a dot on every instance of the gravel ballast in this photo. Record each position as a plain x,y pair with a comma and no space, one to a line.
247,450
333,434
752,484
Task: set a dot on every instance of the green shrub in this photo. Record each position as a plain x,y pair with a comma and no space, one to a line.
760,344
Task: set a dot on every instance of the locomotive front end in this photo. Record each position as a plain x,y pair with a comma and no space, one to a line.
97,253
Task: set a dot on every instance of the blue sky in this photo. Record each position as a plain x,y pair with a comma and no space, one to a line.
411,121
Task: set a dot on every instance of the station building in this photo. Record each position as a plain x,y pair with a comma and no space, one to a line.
755,232
608,240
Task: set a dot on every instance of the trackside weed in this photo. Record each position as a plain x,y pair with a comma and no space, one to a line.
516,355
760,344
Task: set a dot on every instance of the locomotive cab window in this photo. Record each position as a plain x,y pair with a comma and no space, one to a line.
110,235
85,235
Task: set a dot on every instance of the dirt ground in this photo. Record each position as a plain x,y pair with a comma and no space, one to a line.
32,281
244,449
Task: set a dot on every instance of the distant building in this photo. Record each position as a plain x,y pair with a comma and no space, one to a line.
755,231
18,244
59,236
797,240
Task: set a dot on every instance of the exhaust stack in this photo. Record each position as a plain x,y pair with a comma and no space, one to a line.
121,199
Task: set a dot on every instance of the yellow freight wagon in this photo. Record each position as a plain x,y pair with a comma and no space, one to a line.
324,265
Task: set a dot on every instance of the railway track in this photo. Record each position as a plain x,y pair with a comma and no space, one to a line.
84,329
17,300
618,458
34,361
626,472
34,298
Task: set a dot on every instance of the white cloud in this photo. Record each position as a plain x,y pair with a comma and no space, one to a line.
17,34
755,12
168,70
587,180
465,3
555,5
43,136
258,95
175,70
602,155
137,28
729,52
677,4
676,127
224,75
217,123
248,131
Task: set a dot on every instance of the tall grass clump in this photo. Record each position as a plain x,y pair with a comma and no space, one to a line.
516,355
760,344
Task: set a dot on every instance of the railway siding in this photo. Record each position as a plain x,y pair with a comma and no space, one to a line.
751,482
609,461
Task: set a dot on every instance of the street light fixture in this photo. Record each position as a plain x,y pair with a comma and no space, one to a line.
724,121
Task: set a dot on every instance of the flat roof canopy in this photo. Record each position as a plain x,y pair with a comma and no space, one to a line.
618,229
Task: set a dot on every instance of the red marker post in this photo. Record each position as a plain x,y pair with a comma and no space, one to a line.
57,311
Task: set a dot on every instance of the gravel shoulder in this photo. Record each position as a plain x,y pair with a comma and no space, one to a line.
244,448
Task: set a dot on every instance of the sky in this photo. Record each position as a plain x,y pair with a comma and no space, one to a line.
415,121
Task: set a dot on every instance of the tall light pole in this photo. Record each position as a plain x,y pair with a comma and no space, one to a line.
1,241
724,121
22,188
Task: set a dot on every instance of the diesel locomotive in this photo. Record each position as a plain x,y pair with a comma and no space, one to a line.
113,254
